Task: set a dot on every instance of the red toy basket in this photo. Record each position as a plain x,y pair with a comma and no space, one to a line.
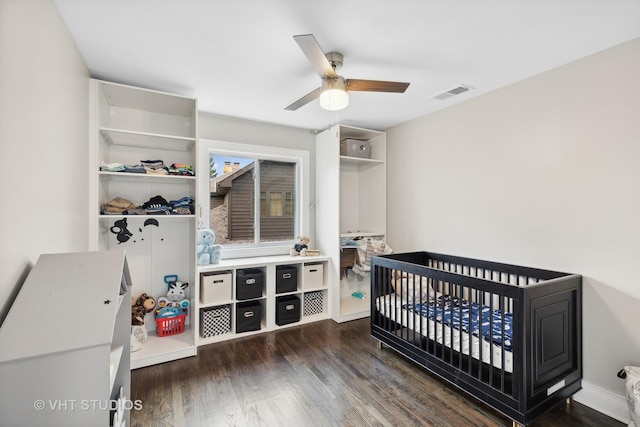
166,326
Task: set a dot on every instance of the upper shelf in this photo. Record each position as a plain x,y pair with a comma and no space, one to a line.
361,234
146,177
359,133
123,96
359,161
147,139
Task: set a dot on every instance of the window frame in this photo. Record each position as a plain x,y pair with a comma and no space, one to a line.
258,152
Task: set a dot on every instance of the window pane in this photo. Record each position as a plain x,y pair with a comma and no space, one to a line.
263,203
275,204
288,204
232,202
277,179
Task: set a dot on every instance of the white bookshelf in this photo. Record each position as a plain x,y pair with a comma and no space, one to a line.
130,124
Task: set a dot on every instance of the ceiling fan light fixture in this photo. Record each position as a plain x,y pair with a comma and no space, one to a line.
334,94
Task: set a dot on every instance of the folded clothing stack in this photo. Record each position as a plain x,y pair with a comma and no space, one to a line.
152,167
183,206
156,205
181,169
134,169
155,167
112,167
120,206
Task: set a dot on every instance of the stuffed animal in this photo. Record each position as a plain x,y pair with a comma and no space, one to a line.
300,246
176,293
208,252
143,305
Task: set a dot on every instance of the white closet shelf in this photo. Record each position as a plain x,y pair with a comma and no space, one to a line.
124,96
362,234
163,349
353,308
173,217
132,138
359,161
145,176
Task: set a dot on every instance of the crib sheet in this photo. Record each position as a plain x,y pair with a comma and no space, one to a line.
469,317
444,326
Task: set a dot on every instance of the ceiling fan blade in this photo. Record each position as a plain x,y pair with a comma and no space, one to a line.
305,99
314,53
375,86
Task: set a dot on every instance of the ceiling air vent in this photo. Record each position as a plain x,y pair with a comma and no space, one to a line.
451,92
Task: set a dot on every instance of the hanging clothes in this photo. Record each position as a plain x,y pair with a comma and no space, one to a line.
367,248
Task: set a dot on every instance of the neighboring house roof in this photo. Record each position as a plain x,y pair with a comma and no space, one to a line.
219,186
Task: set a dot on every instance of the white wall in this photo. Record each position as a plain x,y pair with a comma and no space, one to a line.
43,140
543,173
231,129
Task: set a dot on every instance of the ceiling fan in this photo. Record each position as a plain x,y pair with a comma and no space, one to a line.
333,92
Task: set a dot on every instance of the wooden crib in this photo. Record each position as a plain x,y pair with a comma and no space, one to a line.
510,336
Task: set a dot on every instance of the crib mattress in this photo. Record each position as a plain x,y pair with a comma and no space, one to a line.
446,327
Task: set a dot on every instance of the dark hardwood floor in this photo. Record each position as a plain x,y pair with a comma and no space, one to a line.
319,374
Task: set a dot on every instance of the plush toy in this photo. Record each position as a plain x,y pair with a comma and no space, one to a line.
176,293
300,246
208,253
143,305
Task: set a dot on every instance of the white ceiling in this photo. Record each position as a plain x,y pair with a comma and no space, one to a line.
240,59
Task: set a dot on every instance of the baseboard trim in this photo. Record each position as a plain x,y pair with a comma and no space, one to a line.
604,401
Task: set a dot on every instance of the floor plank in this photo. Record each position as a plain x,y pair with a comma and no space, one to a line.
320,374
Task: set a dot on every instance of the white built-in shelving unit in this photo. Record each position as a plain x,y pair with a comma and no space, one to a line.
311,281
127,125
357,186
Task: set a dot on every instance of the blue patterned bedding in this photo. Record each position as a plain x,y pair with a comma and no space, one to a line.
449,311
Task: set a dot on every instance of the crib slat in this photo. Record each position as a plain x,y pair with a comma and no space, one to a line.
490,314
502,354
480,356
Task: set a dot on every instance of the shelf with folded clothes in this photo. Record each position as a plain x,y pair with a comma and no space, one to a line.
144,176
134,138
155,206
168,216
148,169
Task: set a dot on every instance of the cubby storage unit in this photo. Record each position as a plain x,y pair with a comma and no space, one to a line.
258,312
67,364
129,125
357,187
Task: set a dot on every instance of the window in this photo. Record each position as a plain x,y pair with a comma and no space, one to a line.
254,198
